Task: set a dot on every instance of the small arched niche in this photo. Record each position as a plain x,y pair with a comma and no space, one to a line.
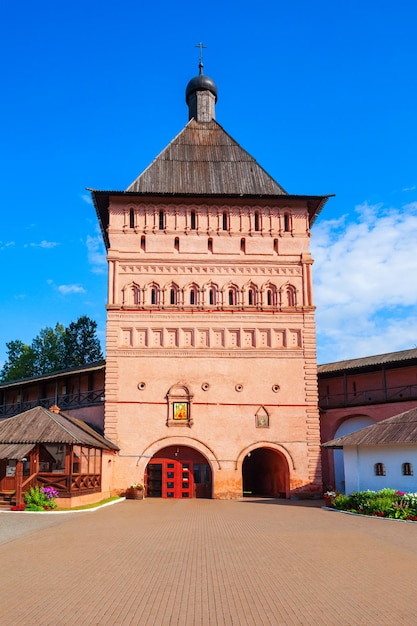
179,401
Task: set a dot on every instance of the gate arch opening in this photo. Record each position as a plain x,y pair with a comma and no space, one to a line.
178,472
265,474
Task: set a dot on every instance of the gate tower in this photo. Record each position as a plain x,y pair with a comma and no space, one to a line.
211,345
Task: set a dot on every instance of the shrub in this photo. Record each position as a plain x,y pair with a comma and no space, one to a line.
40,498
341,501
385,503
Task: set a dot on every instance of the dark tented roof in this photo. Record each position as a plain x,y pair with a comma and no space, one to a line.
370,361
40,425
400,429
204,159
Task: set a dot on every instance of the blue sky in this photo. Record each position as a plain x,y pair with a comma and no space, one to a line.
322,94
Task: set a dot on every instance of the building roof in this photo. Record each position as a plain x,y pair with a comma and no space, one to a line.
80,369
371,362
400,429
15,451
41,425
204,159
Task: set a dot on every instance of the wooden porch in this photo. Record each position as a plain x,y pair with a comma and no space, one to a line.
60,452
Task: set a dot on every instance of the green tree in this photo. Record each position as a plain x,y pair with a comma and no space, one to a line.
82,345
20,361
49,347
53,349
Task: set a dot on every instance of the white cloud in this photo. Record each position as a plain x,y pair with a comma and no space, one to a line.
6,244
413,188
68,289
364,278
96,254
87,198
42,244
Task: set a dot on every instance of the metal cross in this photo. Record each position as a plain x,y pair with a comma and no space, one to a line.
200,65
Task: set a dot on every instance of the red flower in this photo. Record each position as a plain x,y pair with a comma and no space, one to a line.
18,507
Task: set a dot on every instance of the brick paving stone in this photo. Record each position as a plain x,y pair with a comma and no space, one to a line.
207,563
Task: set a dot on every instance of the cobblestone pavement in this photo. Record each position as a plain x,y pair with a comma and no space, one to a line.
207,563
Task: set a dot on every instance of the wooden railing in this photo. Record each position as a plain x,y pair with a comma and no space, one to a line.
29,482
68,485
368,396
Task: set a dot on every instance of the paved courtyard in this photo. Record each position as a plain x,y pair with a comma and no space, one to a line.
207,563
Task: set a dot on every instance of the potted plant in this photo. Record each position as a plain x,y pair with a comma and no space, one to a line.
135,491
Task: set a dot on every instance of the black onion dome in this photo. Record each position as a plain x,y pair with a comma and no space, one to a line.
200,83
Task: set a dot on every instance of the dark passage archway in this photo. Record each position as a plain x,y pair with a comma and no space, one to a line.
265,473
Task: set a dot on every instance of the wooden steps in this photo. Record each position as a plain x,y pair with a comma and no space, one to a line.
7,499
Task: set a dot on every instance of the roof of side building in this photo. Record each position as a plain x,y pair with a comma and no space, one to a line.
400,429
369,362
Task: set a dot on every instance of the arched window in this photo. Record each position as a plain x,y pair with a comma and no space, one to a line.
161,220
154,294
379,469
232,296
210,244
243,245
256,221
134,294
276,246
407,469
131,294
193,294
270,295
224,221
193,221
131,218
173,294
143,243
177,243
212,296
287,223
251,296
290,293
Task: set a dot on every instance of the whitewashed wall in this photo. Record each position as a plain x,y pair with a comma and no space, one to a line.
346,428
359,465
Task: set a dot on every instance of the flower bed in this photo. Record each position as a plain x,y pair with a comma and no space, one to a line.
40,499
385,503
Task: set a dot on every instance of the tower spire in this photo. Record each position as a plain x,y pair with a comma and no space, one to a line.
201,94
201,64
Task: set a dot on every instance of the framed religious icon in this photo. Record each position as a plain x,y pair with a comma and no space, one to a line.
180,411
262,418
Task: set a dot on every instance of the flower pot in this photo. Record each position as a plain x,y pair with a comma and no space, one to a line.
134,494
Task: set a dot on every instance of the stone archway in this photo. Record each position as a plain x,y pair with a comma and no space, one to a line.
178,472
265,473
